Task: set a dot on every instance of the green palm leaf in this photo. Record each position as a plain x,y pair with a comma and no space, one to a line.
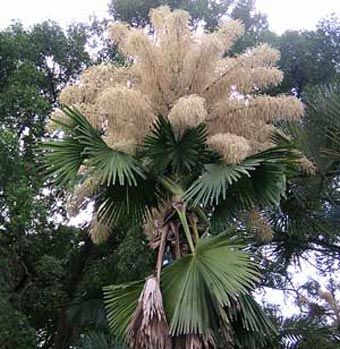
111,166
252,316
121,302
83,144
181,154
255,324
197,286
317,136
117,203
305,332
212,186
63,160
260,180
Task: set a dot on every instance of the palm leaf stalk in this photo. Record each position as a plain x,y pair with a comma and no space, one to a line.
194,166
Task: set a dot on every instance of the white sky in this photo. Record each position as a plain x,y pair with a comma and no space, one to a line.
296,14
282,14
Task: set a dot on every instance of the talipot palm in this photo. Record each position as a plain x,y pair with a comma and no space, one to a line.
179,140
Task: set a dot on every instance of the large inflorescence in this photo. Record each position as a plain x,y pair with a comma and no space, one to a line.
187,77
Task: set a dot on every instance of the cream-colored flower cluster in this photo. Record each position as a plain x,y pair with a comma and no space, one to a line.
233,148
186,77
189,111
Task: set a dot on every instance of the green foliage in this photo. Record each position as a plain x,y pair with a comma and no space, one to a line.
310,58
15,330
197,287
35,64
259,181
308,210
84,143
41,261
181,154
212,186
121,302
252,326
255,23
136,13
117,204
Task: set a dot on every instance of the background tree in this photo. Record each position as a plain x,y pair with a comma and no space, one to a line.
137,13
256,26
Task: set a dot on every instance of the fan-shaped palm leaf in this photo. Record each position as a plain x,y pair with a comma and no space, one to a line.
195,286
83,144
212,186
118,203
252,326
182,153
260,180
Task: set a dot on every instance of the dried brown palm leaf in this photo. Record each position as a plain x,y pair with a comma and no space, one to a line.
148,328
195,341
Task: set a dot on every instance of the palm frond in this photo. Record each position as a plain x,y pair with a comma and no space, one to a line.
213,185
111,166
123,203
121,302
195,290
260,180
63,160
318,133
179,154
252,326
196,286
305,332
83,144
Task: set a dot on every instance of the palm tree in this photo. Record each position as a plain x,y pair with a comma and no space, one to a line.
182,141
